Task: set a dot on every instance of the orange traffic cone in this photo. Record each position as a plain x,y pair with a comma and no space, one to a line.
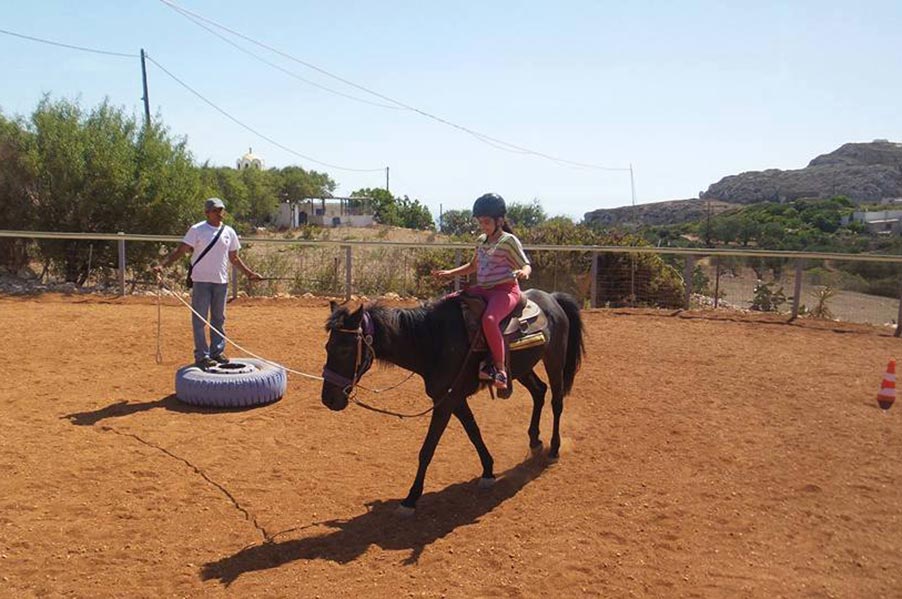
887,394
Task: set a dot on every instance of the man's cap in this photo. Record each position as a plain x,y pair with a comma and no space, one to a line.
213,204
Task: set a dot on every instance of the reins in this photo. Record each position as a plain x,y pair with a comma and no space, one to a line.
364,334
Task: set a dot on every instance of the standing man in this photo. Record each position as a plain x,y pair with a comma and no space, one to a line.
210,273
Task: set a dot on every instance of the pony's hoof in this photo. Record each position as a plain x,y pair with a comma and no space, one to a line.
536,449
487,483
405,512
553,459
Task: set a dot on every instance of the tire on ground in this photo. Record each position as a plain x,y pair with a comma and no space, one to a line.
243,382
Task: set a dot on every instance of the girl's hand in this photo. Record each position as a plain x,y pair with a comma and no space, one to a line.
521,274
441,274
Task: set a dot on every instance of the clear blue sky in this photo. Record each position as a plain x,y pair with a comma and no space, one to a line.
686,92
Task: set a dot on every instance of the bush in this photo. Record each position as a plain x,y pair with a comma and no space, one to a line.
766,299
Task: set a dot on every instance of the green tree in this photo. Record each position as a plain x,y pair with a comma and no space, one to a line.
295,183
17,180
526,216
385,206
99,171
459,223
262,196
226,183
415,215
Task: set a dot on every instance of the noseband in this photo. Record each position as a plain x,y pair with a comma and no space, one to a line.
362,361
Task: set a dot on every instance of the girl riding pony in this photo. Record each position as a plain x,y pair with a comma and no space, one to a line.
499,262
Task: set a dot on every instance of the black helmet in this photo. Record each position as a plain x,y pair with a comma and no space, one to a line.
489,204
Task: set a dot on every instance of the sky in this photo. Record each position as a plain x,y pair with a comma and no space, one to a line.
685,93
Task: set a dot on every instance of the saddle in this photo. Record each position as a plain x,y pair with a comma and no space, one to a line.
523,328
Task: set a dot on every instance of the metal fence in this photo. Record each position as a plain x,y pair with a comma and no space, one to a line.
849,287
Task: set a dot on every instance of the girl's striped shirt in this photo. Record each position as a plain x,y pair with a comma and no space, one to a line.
496,262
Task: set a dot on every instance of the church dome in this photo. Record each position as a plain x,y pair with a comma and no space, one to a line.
249,160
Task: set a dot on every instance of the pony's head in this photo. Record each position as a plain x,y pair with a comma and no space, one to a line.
349,354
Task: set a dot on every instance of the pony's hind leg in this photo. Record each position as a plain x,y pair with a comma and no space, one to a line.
465,415
537,389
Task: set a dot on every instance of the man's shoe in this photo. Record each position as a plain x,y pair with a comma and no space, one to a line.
220,359
205,363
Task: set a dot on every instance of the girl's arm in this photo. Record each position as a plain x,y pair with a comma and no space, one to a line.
460,271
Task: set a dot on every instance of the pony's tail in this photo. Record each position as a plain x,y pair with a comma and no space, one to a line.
575,345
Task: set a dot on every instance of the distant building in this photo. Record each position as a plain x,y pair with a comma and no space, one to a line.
325,212
250,160
880,222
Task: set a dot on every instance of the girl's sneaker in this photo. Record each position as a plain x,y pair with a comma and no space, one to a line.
487,371
499,379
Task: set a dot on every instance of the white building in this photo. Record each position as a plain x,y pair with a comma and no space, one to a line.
878,222
324,212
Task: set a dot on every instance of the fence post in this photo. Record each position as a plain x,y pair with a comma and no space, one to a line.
457,263
716,282
797,291
687,279
347,273
899,316
593,284
121,250
234,281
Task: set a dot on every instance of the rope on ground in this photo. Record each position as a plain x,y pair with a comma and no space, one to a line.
250,353
159,326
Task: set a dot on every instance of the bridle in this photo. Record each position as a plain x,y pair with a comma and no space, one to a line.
362,361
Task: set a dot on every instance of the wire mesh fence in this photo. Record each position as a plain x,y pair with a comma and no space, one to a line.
853,288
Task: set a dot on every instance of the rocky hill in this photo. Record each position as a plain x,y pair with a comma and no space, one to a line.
863,172
658,213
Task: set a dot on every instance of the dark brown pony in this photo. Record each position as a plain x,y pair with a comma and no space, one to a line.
432,342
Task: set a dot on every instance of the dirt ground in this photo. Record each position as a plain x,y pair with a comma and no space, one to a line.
703,457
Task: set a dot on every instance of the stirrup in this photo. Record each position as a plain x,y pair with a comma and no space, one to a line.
487,371
499,379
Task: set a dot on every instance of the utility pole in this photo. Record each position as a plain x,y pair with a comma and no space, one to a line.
386,179
632,185
146,95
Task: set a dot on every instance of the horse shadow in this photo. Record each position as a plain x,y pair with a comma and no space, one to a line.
124,407
438,514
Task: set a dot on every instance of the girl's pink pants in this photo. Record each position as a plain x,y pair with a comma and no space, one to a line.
500,301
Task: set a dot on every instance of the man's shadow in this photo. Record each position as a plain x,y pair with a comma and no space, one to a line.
438,514
124,407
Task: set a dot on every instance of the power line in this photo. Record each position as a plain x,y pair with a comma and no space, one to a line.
286,71
70,46
482,137
255,131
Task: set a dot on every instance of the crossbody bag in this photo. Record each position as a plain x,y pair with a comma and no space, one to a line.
188,282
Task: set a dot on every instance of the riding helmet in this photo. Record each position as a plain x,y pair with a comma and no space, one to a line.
489,204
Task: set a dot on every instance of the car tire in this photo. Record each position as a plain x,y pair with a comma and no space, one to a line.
242,383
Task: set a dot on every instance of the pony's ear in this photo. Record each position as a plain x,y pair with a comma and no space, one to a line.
355,316
333,306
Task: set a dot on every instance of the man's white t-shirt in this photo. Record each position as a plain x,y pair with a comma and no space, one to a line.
214,268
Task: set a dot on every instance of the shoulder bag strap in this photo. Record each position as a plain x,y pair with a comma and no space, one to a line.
209,247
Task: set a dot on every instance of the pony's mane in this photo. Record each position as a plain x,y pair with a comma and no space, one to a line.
393,323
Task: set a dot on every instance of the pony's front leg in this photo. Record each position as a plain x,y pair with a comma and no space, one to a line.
437,426
465,416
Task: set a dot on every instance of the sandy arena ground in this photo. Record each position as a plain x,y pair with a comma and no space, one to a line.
703,457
